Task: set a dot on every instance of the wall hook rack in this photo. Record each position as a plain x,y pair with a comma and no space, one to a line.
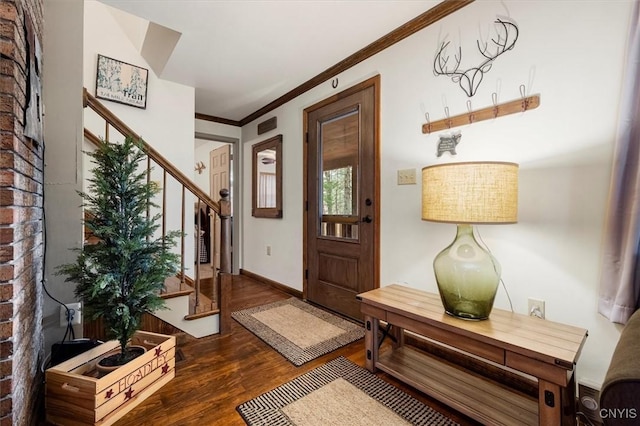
497,110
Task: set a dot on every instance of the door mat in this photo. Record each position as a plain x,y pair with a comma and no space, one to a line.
338,393
297,330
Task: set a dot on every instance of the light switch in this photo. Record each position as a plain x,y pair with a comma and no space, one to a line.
407,177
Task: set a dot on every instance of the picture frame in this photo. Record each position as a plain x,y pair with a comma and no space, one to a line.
121,82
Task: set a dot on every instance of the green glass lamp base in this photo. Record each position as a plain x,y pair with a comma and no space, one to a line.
467,277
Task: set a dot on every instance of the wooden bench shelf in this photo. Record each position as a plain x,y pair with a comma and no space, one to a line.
469,393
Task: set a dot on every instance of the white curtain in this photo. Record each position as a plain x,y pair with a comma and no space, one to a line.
620,280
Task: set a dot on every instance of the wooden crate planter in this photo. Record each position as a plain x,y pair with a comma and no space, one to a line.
75,395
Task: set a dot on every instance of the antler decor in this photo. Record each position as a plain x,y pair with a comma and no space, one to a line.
470,79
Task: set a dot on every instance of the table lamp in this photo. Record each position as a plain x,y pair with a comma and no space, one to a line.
466,194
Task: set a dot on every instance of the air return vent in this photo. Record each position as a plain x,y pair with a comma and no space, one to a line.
589,402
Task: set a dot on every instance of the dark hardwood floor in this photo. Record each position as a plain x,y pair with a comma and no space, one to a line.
220,372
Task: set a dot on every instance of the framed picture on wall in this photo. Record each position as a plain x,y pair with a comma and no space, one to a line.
121,82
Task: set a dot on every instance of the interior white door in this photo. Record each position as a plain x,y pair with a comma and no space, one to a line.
220,164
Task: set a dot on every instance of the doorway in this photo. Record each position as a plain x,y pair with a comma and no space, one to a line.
219,156
342,191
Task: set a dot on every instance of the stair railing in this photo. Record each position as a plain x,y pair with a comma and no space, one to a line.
222,209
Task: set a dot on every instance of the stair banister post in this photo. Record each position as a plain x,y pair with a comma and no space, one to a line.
225,241
225,278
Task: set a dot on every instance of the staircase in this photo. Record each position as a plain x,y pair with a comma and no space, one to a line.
196,304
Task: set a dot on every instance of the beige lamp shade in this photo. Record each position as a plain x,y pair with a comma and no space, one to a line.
470,192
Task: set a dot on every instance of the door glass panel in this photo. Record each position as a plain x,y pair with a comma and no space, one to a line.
339,143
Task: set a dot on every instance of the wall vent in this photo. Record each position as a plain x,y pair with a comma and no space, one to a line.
589,403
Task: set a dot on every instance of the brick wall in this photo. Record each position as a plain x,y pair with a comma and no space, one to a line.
21,224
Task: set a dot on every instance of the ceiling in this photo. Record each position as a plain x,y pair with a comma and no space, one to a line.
240,55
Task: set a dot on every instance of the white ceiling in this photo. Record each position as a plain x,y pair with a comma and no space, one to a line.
242,54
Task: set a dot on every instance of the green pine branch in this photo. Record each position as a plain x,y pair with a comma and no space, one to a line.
120,277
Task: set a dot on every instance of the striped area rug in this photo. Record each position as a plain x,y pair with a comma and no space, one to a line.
338,393
297,330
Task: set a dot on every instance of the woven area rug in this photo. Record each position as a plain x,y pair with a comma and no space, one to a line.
297,330
338,393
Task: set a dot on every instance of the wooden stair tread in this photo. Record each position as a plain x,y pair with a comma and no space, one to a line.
175,288
199,315
205,308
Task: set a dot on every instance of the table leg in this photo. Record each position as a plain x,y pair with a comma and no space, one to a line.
371,326
552,400
398,336
568,402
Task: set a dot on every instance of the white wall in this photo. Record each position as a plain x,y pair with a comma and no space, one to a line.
62,85
571,53
218,129
167,123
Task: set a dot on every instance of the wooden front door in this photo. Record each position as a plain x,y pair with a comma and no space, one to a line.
342,205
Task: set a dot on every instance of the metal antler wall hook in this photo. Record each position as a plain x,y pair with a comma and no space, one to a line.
525,101
470,79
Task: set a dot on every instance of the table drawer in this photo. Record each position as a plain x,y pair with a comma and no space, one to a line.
539,369
374,312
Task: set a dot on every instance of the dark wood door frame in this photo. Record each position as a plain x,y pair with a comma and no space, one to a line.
375,82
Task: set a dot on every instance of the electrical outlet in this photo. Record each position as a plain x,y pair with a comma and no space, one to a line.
536,308
75,311
407,177
268,250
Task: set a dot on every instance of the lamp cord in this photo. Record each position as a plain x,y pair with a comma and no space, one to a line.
477,232
582,415
69,330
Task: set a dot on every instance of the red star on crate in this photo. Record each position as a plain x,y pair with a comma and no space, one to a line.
165,369
128,394
158,351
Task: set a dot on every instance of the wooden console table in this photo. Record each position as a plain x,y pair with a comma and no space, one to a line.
543,349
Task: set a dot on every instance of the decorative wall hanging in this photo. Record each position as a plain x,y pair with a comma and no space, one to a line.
200,167
121,82
448,143
497,110
33,118
470,79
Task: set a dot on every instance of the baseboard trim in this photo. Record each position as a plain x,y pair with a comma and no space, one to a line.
271,283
